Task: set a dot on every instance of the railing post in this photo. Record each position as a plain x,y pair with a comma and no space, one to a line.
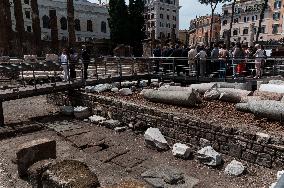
120,72
33,67
2,121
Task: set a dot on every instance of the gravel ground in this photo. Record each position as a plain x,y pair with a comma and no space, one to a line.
23,110
222,113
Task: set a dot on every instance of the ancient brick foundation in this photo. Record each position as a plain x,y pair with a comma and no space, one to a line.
241,144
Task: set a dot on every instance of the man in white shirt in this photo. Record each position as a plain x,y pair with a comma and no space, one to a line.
191,58
64,64
202,61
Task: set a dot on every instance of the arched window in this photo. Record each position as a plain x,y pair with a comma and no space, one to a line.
235,32
225,22
45,22
103,27
77,25
89,25
63,23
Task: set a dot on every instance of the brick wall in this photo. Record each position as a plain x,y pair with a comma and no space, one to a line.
242,144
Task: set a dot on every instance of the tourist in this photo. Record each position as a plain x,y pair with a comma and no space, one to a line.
85,60
259,59
73,60
223,57
238,56
157,52
201,56
214,58
177,52
191,58
64,63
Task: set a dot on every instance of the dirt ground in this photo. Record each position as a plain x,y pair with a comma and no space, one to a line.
112,156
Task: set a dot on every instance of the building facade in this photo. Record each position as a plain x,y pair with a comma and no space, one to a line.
162,18
90,19
31,24
199,31
246,21
183,36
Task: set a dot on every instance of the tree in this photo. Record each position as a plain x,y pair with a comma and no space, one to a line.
118,22
229,33
264,7
213,4
136,26
71,23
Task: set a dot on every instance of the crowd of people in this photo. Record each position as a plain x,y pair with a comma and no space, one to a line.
68,60
239,60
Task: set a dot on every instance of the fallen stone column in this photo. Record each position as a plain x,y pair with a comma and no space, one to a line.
268,95
272,88
180,98
233,95
174,88
202,88
267,108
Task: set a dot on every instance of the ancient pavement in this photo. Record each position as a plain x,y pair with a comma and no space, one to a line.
118,156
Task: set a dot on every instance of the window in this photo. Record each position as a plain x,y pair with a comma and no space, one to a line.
161,16
103,27
262,30
77,25
245,19
27,2
45,22
236,20
63,23
277,4
168,17
276,16
275,28
225,22
28,14
89,25
235,32
29,29
245,31
252,18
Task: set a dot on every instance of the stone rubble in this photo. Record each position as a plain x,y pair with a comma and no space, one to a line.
154,139
125,91
115,90
181,151
168,177
67,110
81,112
111,124
96,119
235,168
209,156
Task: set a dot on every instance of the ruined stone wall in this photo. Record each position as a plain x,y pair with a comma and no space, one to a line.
266,150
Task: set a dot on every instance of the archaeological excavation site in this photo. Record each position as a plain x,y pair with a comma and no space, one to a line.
140,130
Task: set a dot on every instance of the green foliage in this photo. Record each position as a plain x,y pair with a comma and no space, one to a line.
118,21
127,23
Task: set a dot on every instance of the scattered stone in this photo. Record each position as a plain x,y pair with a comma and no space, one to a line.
125,91
181,150
202,88
96,119
246,99
235,168
102,88
168,177
120,129
262,138
204,143
154,139
69,173
268,95
115,90
34,151
111,124
243,107
129,184
209,156
81,112
233,95
67,110
282,100
90,89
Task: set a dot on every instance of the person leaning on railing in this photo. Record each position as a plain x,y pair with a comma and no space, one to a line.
260,56
201,56
64,63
